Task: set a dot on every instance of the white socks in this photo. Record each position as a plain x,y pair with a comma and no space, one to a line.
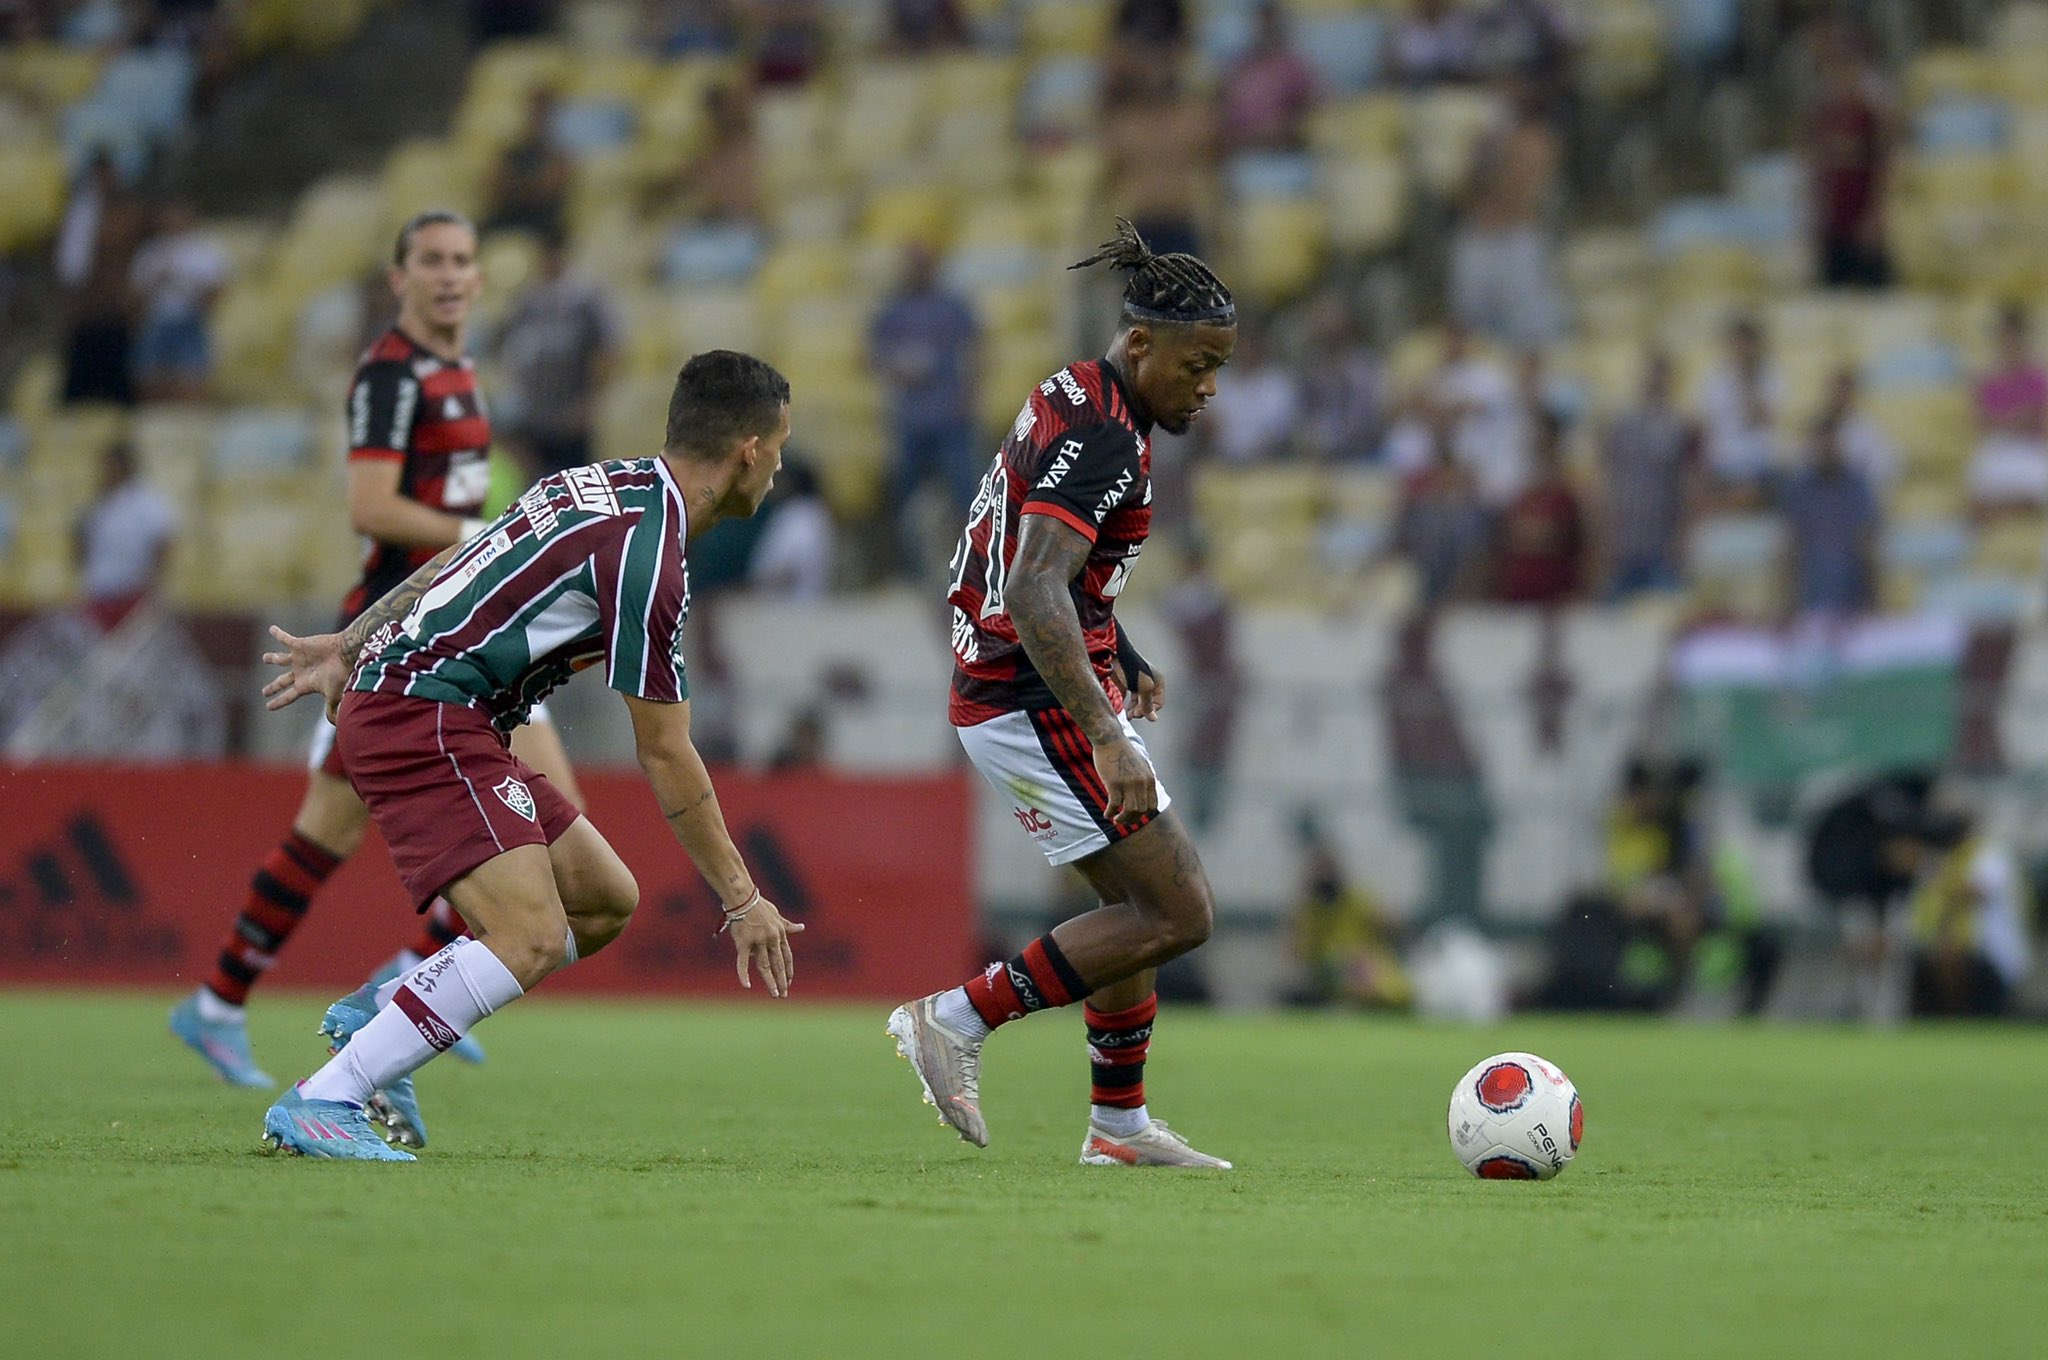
428,1010
957,1013
215,1011
1117,1121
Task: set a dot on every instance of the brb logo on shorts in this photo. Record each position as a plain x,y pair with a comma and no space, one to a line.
1505,1087
516,796
1036,822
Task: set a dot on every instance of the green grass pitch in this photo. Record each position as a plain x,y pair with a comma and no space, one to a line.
760,1179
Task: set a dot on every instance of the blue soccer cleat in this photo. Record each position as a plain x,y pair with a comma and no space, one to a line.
326,1128
397,1106
223,1043
465,1048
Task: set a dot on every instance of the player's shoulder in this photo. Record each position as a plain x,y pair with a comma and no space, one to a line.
1081,399
389,355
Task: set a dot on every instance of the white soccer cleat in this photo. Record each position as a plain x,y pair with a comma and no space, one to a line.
947,1063
1153,1145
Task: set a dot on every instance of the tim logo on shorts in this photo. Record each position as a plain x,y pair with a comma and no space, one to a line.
516,796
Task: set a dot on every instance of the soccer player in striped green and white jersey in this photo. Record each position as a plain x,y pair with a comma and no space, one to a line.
587,568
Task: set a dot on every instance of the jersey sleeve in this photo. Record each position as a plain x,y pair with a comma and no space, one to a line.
1087,474
381,405
642,603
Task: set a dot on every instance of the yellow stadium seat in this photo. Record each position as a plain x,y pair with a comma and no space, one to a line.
34,197
1443,127
1368,201
1602,258
1358,126
1066,27
1951,72
428,173
49,74
880,117
898,215
1280,244
2010,546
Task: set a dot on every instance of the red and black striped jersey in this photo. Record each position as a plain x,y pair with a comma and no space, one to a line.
1082,455
410,405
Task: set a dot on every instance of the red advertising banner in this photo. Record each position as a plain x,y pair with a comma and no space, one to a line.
133,875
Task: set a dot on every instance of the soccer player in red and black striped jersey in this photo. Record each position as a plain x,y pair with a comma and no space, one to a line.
418,472
1044,687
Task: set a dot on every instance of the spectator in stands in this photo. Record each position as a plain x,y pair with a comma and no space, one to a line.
1209,686
1470,395
1530,38
101,229
715,198
1147,37
1436,44
1628,944
1252,418
122,540
1269,94
1160,148
530,187
925,344
1831,522
1343,937
1541,554
177,277
558,346
1847,144
918,27
1501,273
788,40
1343,388
793,557
1739,405
1865,445
675,28
1971,919
492,20
1442,527
1648,468
2010,467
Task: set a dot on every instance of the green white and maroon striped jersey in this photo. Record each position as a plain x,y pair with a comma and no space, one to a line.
587,566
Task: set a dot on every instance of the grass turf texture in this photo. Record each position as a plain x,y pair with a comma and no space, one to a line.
761,1179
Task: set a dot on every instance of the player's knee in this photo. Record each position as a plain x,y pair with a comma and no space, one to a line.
1193,920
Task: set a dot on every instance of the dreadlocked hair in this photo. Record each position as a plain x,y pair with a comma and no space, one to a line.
1175,287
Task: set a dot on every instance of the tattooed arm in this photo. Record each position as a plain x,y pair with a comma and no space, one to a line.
320,664
1050,554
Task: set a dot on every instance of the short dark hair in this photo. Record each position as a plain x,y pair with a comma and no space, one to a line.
1171,288
722,395
432,217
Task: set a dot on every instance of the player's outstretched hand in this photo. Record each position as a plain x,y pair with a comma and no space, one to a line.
1133,787
312,665
1145,698
761,938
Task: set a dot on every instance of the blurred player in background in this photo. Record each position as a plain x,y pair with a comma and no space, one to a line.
1044,687
588,566
418,471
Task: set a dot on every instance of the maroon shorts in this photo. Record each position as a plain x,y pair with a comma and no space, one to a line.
443,787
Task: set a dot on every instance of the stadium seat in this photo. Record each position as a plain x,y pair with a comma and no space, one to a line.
1279,246
34,201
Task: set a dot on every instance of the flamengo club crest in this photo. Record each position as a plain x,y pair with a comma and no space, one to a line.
516,796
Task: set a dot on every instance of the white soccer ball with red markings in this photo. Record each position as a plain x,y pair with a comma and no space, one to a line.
1516,1117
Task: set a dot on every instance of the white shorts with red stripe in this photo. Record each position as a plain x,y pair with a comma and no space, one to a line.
1044,765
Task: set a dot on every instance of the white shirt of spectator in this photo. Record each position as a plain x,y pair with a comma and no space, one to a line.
2001,922
1489,440
793,559
1254,414
174,273
1737,449
124,532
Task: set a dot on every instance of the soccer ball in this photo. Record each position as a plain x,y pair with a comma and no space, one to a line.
1515,1117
